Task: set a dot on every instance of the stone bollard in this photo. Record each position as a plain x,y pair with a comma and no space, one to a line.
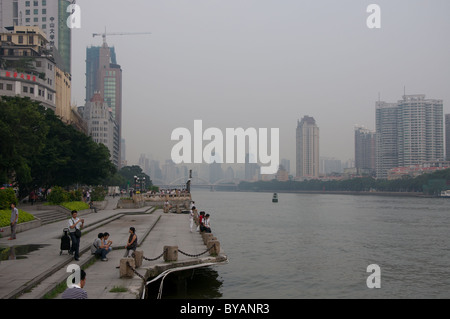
206,237
126,271
170,253
138,258
216,249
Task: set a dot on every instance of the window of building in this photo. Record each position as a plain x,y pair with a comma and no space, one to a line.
20,39
25,89
36,19
27,12
35,3
1,86
44,11
9,87
44,27
27,3
35,11
44,2
31,90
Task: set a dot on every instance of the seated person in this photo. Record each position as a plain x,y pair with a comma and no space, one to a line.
98,248
106,241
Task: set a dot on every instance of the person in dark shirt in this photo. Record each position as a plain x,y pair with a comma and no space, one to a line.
76,291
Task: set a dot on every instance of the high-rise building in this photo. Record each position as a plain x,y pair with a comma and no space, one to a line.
49,15
365,151
102,126
447,137
408,133
104,75
307,148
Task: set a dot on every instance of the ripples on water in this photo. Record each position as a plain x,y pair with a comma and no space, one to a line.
319,246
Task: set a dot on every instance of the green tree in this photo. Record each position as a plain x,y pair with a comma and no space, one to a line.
22,136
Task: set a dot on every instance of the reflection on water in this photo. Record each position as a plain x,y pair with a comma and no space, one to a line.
17,252
200,283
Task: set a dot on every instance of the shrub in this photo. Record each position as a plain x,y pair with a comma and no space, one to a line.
98,194
7,196
58,195
75,196
5,216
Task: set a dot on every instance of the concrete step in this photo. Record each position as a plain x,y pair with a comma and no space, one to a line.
50,216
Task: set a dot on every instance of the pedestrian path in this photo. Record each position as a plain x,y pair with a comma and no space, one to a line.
44,268
20,273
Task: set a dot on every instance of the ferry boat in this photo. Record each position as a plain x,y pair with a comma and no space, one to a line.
275,198
445,193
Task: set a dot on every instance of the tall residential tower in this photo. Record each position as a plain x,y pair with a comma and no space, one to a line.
307,148
408,132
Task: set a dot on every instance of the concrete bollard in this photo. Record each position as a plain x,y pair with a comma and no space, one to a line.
206,237
138,258
216,249
170,253
126,271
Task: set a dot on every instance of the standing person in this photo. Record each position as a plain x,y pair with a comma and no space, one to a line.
191,218
14,219
88,196
207,224
76,291
75,224
132,243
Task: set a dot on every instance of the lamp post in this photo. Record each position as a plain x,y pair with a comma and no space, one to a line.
143,183
135,183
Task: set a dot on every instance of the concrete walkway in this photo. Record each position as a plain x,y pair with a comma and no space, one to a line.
43,269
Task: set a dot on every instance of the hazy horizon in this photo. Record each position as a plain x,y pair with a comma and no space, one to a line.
264,64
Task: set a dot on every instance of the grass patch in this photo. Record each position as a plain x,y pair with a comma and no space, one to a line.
118,289
75,205
5,216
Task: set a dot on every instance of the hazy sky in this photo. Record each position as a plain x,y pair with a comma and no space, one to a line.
264,64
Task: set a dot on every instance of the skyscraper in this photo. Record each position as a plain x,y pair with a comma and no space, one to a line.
49,15
307,148
104,75
447,137
365,150
408,132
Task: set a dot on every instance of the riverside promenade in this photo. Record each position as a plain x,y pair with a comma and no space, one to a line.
40,271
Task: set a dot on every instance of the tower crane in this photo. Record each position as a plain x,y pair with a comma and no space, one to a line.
118,33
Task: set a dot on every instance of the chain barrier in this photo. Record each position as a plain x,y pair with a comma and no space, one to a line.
189,255
135,271
152,259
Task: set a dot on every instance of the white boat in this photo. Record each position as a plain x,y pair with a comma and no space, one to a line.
445,193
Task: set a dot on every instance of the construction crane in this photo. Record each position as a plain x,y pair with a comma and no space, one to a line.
120,33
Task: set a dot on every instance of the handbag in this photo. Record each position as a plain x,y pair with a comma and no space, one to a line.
77,233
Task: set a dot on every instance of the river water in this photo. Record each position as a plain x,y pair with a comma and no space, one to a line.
319,246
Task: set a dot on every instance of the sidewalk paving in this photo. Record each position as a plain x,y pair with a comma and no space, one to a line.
18,275
43,269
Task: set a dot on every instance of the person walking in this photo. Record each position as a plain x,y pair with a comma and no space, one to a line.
76,291
14,219
75,224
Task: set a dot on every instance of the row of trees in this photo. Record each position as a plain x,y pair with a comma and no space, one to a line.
431,183
38,150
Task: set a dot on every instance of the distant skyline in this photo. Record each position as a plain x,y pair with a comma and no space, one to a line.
264,64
